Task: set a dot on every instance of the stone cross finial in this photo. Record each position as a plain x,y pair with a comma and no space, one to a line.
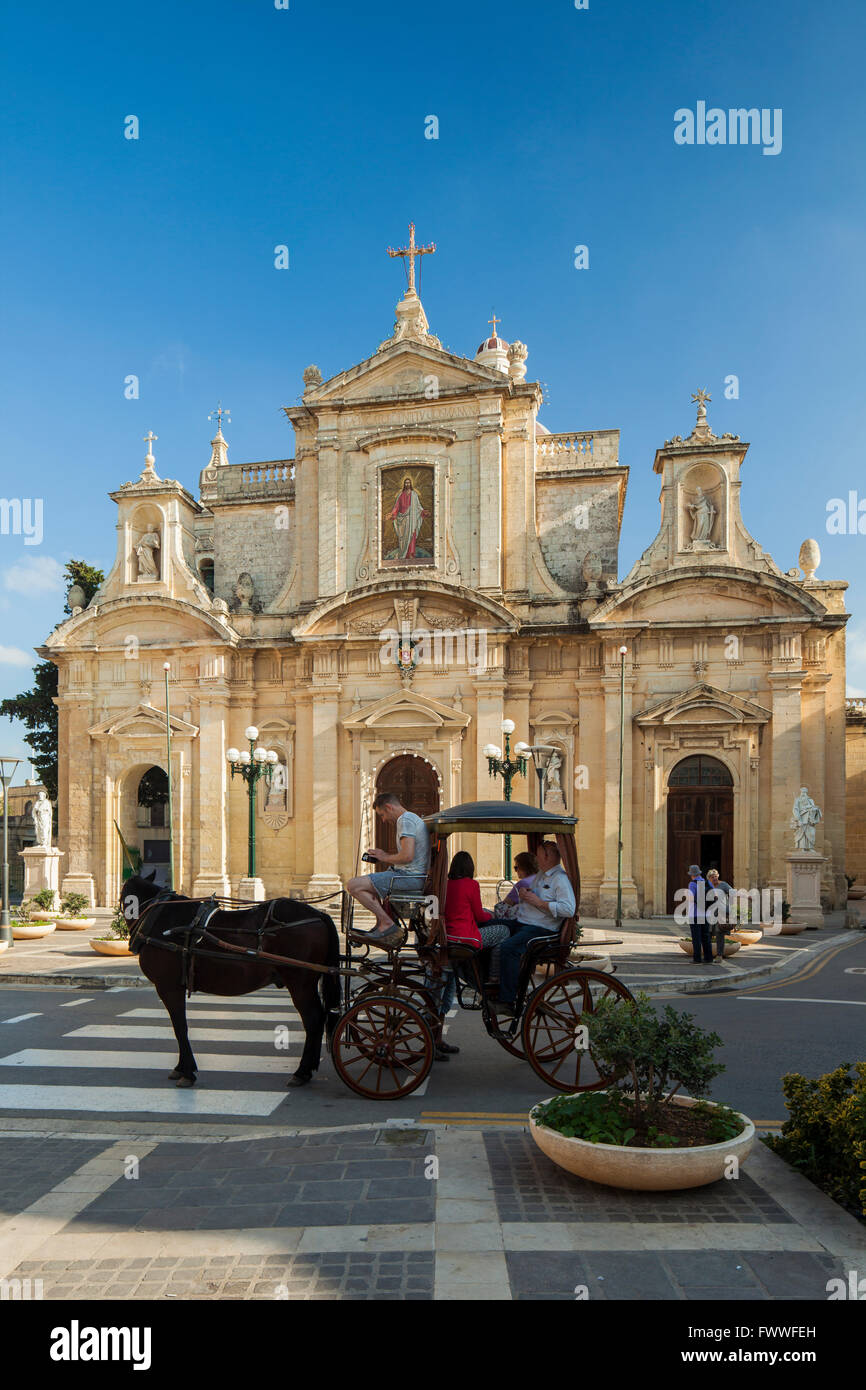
700,398
149,470
410,252
218,416
494,322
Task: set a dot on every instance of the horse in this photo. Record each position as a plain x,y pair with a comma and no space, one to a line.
157,919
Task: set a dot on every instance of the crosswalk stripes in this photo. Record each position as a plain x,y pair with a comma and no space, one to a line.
66,1078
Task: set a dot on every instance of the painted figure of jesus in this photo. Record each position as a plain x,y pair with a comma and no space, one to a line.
407,514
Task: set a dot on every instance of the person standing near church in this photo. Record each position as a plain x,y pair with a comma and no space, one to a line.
718,909
408,867
698,925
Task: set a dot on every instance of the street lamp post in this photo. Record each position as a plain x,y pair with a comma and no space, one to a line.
507,768
167,668
541,756
7,772
622,655
258,762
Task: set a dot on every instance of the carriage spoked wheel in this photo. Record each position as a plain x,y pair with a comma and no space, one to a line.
420,998
382,1047
554,1028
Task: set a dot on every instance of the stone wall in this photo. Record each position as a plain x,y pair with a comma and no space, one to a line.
855,750
567,532
252,538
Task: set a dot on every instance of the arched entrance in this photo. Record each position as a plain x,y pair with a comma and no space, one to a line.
414,780
143,819
700,821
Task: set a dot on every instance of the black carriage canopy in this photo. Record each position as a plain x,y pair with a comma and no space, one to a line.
502,818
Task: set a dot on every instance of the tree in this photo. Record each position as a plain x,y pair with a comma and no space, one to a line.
36,708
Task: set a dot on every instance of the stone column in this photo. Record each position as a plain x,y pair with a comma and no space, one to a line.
607,889
589,800
787,772
517,468
303,803
489,714
210,851
75,811
490,503
326,808
331,551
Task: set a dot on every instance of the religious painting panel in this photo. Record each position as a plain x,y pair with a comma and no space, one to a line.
407,510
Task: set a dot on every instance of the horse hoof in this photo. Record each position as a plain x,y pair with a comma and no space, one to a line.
298,1080
185,1081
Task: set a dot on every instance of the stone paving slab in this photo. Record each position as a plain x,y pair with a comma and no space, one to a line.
364,1228
31,1168
528,1187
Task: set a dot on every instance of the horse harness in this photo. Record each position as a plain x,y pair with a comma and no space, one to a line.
195,938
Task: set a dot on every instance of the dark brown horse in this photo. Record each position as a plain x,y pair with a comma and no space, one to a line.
282,927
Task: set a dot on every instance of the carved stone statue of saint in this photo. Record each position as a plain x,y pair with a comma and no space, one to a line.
703,514
804,820
42,819
147,553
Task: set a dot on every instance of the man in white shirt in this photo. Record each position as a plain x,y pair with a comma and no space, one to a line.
541,912
408,871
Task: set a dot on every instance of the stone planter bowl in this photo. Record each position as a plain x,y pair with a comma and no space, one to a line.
31,931
855,894
111,948
644,1170
75,923
731,947
748,936
792,928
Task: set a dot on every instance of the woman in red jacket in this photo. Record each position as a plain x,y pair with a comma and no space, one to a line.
466,921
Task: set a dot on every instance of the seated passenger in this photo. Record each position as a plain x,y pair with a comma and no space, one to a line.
542,911
466,922
526,867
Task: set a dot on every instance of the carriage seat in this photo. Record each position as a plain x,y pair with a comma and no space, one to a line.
553,948
463,950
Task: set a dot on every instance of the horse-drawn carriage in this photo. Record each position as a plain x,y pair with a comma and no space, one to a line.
381,1011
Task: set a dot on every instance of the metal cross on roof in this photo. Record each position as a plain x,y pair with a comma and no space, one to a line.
410,252
218,416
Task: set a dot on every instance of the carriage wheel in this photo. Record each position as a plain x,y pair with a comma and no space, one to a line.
420,999
554,1014
382,1048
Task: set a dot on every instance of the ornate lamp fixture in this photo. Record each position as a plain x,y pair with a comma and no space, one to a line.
251,765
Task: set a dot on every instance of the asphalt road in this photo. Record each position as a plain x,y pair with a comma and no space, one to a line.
69,1056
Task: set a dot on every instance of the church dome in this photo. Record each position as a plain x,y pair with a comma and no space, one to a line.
493,352
492,345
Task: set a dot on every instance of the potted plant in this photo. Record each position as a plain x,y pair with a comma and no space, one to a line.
116,943
639,1133
731,947
854,894
72,913
29,923
44,901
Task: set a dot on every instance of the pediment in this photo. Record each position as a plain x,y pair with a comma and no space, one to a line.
145,721
376,609
702,705
401,370
407,710
708,595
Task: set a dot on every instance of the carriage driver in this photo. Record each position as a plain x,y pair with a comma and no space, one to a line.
408,871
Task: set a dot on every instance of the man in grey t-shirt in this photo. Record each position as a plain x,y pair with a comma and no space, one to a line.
408,867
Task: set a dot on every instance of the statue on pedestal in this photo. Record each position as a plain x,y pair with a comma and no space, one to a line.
42,818
805,818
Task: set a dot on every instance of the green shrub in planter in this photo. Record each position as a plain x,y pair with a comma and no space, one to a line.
119,929
74,904
825,1133
43,899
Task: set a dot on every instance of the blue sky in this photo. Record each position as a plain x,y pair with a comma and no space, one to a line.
305,127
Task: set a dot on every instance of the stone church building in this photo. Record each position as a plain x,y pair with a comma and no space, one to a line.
431,562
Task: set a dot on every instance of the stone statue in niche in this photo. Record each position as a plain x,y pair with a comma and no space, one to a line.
804,820
147,554
703,515
245,600
553,797
42,819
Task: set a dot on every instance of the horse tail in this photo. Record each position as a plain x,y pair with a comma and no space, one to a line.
331,983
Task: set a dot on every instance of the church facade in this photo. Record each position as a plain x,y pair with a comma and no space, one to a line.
431,562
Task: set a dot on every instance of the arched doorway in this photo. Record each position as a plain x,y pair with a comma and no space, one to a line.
414,780
700,821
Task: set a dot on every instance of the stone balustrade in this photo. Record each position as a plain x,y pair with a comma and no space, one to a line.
855,707
586,449
275,478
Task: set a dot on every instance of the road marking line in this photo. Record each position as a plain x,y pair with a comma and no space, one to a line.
20,1018
125,1032
167,1100
73,1003
215,1016
146,1061
797,999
